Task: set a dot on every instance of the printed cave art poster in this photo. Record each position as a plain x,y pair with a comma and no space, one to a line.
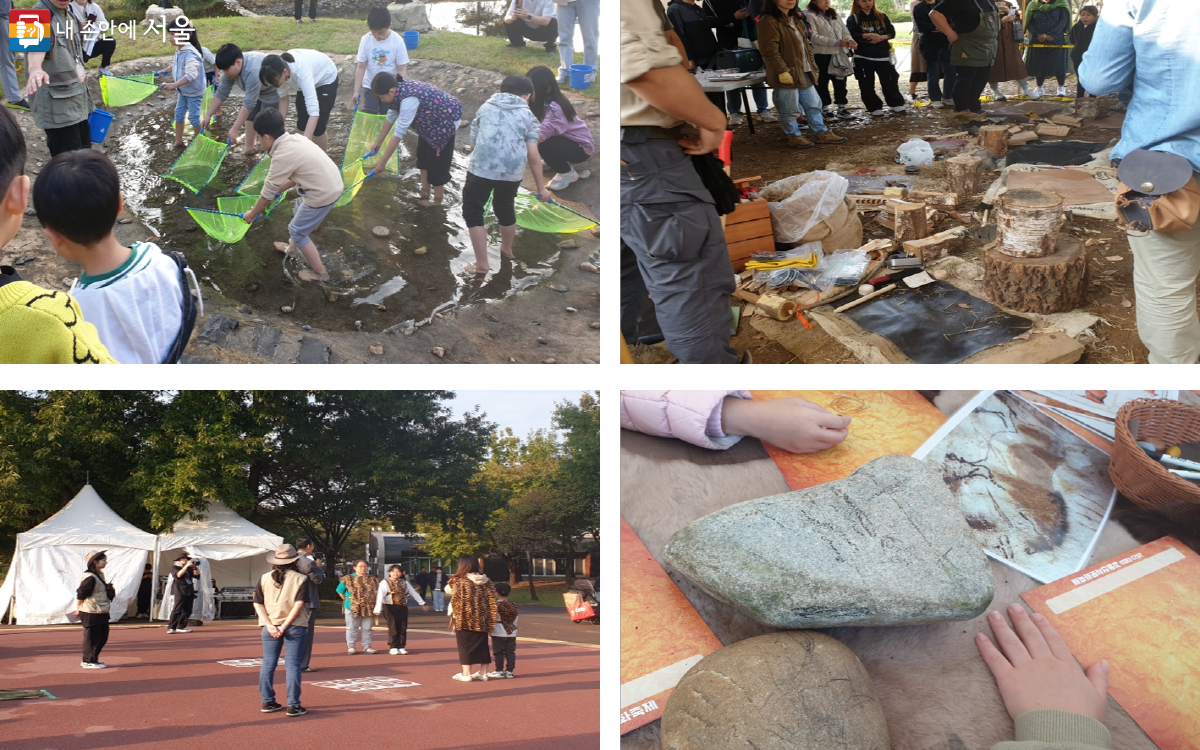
883,423
1035,493
1141,612
662,635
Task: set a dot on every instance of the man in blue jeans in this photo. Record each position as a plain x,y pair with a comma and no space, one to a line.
587,14
281,600
1150,46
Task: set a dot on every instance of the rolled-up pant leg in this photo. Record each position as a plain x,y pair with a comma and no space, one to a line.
1165,267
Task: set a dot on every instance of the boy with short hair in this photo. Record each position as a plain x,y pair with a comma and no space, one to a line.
243,69
504,635
504,138
37,326
133,296
297,162
380,51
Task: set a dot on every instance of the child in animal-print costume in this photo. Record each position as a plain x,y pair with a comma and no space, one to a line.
504,635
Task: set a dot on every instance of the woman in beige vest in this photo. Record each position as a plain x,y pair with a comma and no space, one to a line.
281,599
92,601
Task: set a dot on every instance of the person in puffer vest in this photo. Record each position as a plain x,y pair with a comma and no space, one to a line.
93,599
718,419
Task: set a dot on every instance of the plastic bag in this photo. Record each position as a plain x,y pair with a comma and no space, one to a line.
839,269
799,203
916,153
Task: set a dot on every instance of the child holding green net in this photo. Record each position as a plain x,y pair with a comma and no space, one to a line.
188,71
297,162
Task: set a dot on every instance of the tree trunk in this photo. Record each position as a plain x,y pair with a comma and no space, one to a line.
910,223
1047,284
995,139
514,571
965,173
1027,222
532,589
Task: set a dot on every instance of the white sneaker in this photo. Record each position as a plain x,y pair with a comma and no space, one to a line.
495,675
561,181
768,116
1000,97
583,175
735,118
1036,93
350,651
563,76
1062,90
480,676
394,651
97,665
937,105
369,651
105,71
170,631
901,108
402,652
459,676
878,113
183,630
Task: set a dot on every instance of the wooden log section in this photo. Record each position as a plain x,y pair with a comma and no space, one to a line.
965,173
1087,108
994,138
931,198
910,223
1048,284
777,307
931,248
1027,222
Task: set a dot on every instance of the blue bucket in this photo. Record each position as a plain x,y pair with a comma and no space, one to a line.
578,74
411,39
100,121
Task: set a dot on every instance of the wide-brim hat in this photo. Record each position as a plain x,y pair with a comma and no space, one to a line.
284,554
93,555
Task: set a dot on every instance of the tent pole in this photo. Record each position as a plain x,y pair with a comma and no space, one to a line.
13,571
154,580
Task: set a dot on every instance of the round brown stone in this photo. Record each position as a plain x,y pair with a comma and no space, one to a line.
791,690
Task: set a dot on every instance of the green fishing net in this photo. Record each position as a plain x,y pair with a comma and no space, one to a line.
240,204
121,91
363,132
207,100
198,163
253,184
224,227
352,179
552,218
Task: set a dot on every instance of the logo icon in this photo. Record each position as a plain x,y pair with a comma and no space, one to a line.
29,30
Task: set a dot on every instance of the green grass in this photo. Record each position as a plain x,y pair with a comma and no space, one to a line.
341,36
550,593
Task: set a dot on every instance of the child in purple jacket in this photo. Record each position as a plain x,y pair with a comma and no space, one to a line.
564,139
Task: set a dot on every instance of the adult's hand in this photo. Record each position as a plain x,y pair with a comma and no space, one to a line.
1037,670
36,79
952,36
741,13
705,142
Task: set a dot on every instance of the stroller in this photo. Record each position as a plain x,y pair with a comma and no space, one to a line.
583,603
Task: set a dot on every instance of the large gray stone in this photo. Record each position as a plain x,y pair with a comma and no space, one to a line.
409,17
794,690
887,545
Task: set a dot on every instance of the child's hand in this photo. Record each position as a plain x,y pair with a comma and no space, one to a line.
1037,670
794,424
544,195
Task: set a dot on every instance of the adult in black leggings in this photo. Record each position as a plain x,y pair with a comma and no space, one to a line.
312,10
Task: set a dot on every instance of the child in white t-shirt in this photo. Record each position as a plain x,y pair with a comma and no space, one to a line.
380,51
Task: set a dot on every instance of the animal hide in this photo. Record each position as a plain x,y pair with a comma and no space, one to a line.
936,692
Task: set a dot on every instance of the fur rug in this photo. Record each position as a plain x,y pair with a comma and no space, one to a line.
936,692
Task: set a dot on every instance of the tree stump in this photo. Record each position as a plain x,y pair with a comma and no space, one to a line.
1087,108
965,173
1028,221
1048,284
994,138
910,223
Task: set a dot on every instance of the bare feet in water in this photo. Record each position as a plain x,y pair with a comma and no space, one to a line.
475,269
428,203
313,276
283,247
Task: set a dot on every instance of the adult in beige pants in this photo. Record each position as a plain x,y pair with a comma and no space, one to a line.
1165,268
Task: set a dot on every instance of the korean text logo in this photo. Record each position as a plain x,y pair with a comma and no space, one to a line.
29,30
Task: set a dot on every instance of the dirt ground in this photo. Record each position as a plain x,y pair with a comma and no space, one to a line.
554,322
872,141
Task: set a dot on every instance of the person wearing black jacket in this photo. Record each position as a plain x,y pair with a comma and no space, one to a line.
92,605
694,24
734,23
1081,38
183,587
873,31
935,50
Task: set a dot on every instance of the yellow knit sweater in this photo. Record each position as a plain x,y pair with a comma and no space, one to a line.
42,327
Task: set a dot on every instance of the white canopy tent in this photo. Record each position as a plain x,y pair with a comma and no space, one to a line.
48,564
231,550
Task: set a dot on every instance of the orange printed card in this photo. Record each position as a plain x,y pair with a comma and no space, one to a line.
883,423
662,635
1141,612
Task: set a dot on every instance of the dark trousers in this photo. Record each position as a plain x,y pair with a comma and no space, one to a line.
437,164
560,152
634,298
104,50
717,98
937,65
69,138
474,198
312,9
866,71
144,600
307,647
733,99
504,650
95,635
823,81
397,622
669,223
968,85
326,96
181,612
518,31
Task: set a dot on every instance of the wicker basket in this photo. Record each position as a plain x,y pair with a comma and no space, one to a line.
1138,476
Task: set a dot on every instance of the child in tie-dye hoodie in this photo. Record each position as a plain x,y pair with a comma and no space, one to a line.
504,138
